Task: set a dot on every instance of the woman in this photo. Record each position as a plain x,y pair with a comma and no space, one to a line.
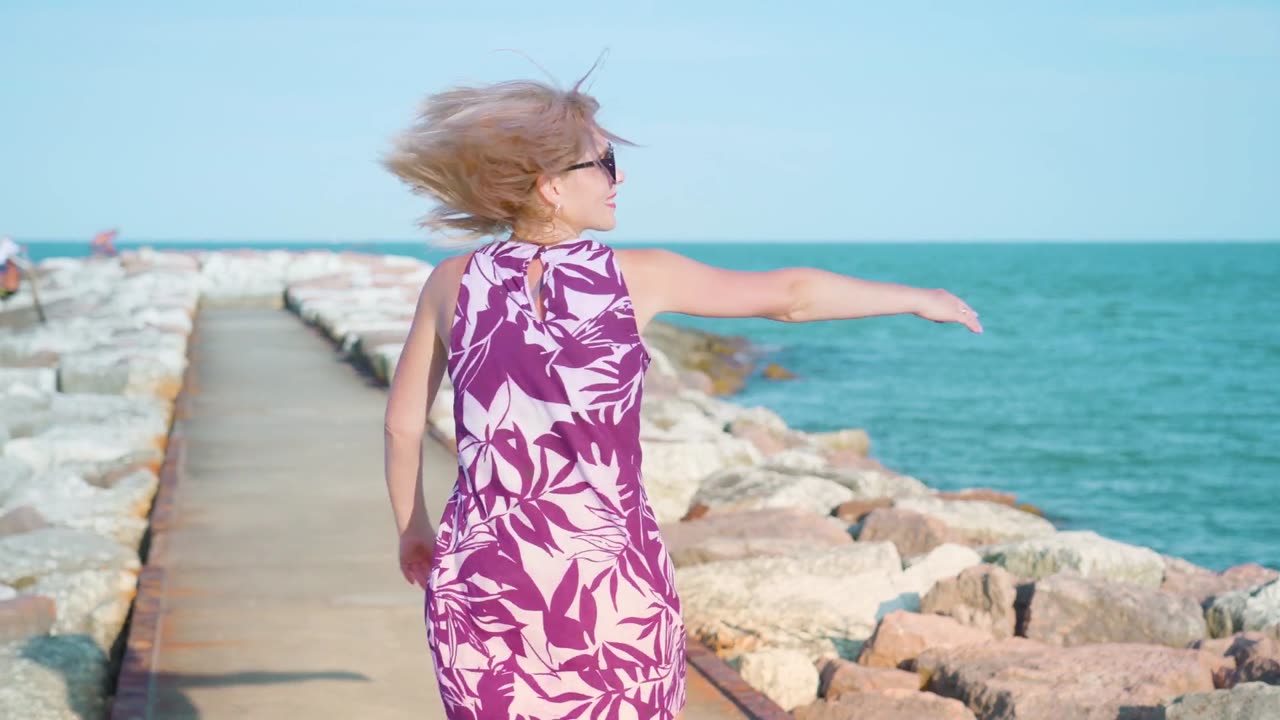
549,592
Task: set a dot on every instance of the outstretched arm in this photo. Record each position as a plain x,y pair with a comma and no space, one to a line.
413,390
675,283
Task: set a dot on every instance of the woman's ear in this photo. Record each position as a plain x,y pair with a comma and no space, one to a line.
549,189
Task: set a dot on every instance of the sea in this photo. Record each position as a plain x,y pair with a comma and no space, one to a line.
1128,388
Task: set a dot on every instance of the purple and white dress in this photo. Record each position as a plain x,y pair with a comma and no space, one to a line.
551,594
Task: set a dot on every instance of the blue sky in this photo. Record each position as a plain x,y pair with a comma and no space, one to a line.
759,121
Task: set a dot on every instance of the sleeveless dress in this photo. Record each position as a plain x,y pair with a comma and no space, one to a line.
551,593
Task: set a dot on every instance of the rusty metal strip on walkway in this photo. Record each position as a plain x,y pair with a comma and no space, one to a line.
134,690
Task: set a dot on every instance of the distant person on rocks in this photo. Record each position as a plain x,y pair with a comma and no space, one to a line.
10,267
103,244
548,590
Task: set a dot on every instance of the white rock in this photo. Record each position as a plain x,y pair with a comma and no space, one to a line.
755,488
64,499
824,603
1242,610
91,602
787,677
146,416
156,371
760,415
797,461
865,484
87,448
40,378
678,418
673,471
847,439
14,474
1246,701
943,562
1082,551
979,521
49,551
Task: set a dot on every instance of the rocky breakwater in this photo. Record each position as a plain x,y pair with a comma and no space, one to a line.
86,402
86,408
844,589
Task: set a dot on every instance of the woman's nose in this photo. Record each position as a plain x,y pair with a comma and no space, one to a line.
622,176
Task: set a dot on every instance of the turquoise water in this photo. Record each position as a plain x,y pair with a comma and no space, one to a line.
1130,389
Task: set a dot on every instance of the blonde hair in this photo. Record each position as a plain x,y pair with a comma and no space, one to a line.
478,152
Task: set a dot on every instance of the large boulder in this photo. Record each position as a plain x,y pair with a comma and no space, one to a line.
1067,609
901,636
977,522
1256,655
1249,701
1252,609
687,415
1184,578
64,499
838,676
154,372
39,378
27,557
911,532
92,603
824,603
24,411
981,597
1084,552
675,470
755,488
886,704
734,536
14,474
25,616
1018,678
864,482
923,572
21,519
787,677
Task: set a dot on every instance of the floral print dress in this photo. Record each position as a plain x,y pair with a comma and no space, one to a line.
551,594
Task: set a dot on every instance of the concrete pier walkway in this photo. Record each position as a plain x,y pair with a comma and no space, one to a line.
281,596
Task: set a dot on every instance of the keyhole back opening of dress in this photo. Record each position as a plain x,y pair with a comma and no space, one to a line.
533,287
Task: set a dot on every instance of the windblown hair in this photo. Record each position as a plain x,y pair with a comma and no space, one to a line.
478,152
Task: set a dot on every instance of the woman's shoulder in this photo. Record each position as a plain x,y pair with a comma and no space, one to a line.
450,268
644,262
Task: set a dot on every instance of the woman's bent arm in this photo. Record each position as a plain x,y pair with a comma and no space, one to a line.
413,390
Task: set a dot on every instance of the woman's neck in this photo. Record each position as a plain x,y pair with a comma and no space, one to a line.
560,233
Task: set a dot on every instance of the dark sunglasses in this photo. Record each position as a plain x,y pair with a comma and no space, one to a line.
606,161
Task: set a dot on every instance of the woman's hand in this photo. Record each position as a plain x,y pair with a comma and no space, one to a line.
941,306
417,547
